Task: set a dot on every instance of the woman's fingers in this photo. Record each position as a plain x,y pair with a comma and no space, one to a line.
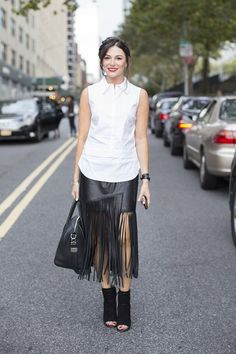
75,192
144,192
139,197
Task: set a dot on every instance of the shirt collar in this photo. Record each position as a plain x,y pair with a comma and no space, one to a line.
122,87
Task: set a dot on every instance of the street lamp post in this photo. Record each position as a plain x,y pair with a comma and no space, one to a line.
186,53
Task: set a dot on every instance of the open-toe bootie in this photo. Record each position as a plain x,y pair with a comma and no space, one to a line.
123,311
109,314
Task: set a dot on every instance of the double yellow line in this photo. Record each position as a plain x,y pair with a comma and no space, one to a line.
60,154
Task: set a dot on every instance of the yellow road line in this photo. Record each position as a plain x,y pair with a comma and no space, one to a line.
26,182
18,210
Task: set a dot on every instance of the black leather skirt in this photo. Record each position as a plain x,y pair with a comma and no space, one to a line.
109,219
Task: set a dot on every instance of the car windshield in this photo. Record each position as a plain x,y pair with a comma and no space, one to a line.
167,105
228,110
18,107
179,102
195,104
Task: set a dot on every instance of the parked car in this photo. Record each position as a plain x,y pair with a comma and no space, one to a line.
210,143
232,198
161,114
153,105
30,118
180,120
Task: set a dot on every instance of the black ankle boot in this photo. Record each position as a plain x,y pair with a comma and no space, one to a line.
124,310
109,313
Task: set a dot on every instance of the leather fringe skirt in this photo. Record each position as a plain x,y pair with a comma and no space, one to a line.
109,219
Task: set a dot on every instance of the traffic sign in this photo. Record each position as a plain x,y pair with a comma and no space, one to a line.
185,48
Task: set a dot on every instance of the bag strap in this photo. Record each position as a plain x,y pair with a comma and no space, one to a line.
72,209
79,207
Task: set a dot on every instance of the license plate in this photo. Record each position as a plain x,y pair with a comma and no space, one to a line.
5,132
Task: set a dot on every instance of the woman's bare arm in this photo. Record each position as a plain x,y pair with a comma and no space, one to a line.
142,142
141,131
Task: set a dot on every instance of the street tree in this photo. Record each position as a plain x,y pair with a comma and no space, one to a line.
155,27
36,5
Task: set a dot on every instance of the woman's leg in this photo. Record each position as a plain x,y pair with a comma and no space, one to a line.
126,258
106,285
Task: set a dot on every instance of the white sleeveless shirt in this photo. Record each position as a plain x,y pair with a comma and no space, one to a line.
109,153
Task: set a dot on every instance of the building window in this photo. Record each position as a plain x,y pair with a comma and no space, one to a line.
27,41
21,63
13,57
3,52
33,45
27,67
13,27
3,18
32,21
13,2
33,70
20,34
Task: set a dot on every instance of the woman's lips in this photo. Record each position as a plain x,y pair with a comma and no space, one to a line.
112,69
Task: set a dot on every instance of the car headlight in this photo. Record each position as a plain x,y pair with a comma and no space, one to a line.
28,119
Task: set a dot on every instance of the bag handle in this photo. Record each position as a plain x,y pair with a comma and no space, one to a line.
72,209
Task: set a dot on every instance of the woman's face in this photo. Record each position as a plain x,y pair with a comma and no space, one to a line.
114,62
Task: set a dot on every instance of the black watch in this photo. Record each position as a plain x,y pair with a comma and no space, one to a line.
145,176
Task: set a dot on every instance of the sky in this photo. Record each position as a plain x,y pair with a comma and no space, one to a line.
96,20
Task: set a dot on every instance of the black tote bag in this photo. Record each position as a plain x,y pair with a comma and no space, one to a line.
70,250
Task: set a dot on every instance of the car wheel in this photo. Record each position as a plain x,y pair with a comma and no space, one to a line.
233,215
158,133
38,133
174,150
207,180
165,140
186,162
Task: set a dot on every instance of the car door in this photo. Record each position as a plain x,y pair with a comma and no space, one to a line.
194,135
202,131
48,116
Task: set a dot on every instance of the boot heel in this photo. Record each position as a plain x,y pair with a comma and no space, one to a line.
123,310
109,313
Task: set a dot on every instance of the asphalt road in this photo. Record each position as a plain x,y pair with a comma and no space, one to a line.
184,300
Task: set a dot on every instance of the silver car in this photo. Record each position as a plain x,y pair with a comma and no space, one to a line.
210,143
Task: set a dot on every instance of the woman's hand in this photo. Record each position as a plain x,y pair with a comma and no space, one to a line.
145,192
75,190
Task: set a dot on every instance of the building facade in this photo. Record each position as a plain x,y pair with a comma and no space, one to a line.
51,38
17,51
57,49
40,45
71,50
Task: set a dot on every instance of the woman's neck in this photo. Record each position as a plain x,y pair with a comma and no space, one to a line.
116,80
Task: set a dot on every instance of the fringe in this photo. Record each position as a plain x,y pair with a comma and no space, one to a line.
111,241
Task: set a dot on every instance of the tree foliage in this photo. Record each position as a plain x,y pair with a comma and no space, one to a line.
36,5
155,27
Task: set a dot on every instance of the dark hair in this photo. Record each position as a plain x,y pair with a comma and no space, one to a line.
111,42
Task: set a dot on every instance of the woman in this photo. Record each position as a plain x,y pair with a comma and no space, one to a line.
112,147
71,115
